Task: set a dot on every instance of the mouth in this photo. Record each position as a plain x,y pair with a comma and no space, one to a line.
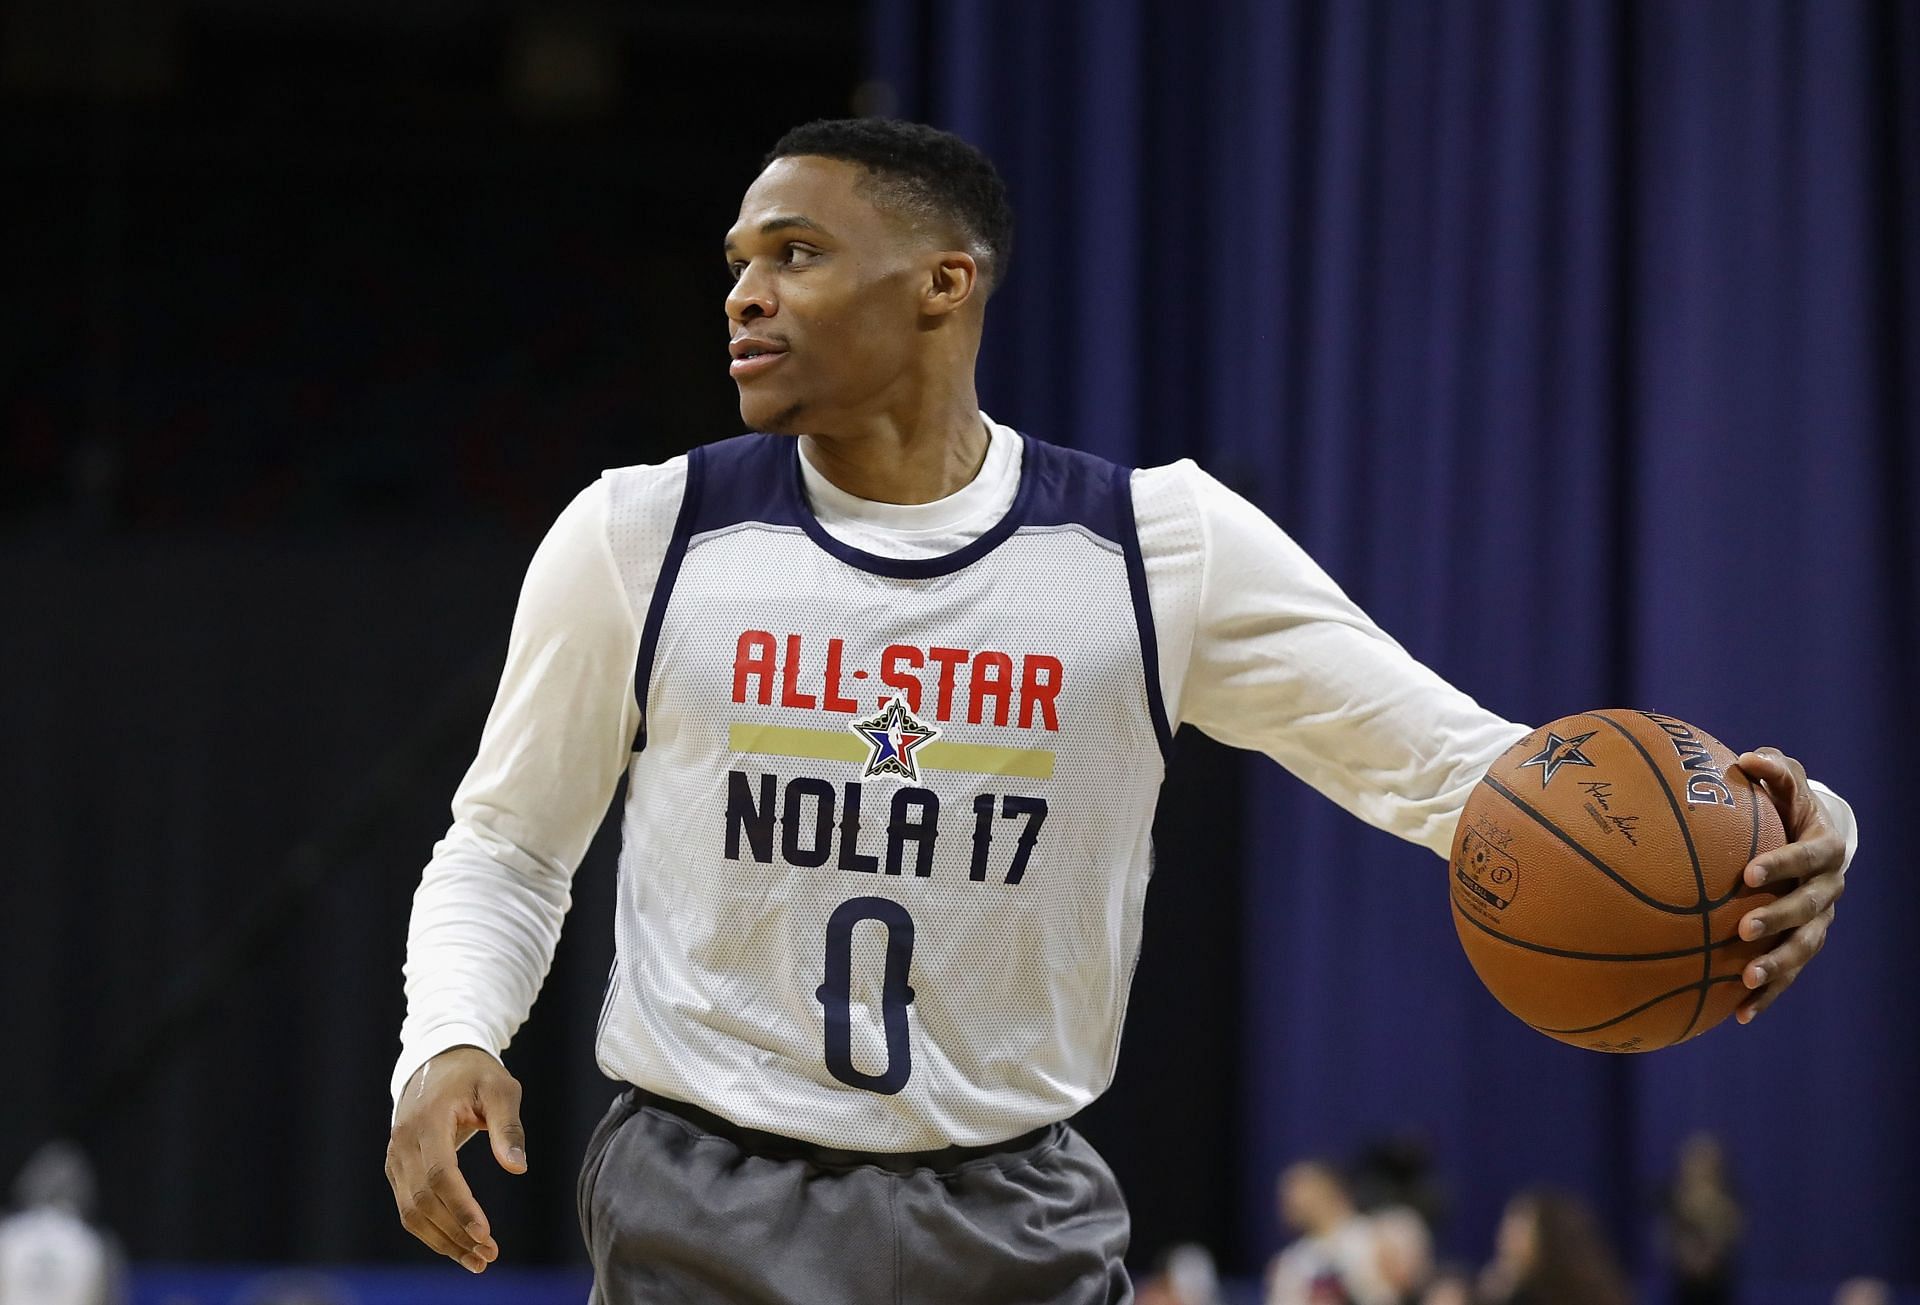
752,357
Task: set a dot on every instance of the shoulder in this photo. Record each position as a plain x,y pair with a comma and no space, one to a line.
1170,504
750,477
1183,498
1184,484
640,481
1060,461
629,514
1062,486
1175,484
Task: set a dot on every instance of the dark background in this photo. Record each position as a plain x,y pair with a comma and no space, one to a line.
1577,340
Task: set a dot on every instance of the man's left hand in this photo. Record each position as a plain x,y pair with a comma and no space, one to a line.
1815,856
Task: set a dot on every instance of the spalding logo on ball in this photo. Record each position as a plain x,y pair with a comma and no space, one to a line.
1597,879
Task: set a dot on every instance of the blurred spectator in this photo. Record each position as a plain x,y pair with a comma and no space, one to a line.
1550,1251
1403,1249
1449,1286
1183,1275
1336,1259
49,1254
1393,1185
1398,1171
1701,1226
1863,1291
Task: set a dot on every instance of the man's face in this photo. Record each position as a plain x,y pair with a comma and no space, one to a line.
830,286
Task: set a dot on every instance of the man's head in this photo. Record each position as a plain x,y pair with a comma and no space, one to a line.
862,260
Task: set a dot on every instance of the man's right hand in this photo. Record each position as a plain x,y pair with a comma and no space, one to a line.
450,1098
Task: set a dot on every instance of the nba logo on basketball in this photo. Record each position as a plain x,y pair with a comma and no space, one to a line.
1487,873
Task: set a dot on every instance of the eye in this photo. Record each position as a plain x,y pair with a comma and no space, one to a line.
734,269
796,253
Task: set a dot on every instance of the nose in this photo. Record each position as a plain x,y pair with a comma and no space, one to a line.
751,297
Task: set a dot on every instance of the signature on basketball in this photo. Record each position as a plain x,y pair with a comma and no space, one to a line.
1627,825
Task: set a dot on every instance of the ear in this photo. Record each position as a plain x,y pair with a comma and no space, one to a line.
954,281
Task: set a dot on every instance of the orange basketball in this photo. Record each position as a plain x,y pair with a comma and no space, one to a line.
1598,879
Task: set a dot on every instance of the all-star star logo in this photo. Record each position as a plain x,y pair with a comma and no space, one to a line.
895,737
1559,752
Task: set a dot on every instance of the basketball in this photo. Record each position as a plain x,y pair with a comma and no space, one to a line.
1598,879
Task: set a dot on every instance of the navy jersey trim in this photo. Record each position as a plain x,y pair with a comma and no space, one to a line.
757,479
683,524
747,482
1142,609
1073,488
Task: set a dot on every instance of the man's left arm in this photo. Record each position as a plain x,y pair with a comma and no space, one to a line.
1281,661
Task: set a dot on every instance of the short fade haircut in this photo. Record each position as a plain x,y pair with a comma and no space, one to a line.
923,171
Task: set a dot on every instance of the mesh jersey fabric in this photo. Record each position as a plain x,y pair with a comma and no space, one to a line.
970,922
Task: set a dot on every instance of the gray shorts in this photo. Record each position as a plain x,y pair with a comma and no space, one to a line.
682,1208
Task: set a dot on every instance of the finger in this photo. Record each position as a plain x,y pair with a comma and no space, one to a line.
1812,898
425,1216
412,1192
1757,1002
1789,957
1750,1009
435,1172
1775,979
1816,853
1771,759
1786,783
500,1100
414,1219
464,1221
1770,767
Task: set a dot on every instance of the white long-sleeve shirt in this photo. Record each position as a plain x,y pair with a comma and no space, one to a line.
1257,647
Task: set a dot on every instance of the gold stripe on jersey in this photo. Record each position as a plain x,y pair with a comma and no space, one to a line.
837,745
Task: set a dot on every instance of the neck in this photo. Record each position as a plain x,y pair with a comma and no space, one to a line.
916,458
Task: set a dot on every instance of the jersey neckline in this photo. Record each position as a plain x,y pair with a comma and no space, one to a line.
911,568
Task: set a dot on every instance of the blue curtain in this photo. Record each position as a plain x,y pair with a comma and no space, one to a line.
1579,341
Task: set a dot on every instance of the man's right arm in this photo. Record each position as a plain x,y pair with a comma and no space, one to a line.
488,911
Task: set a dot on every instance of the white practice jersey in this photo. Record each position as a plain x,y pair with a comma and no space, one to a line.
891,772
887,840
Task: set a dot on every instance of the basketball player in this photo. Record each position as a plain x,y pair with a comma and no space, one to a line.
892,685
